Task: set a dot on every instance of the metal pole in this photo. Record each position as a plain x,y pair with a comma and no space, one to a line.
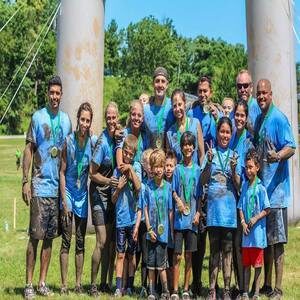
271,55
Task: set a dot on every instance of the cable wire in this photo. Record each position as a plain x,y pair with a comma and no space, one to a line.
37,50
28,53
11,18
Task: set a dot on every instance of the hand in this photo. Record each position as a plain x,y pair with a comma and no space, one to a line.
245,228
233,162
214,112
122,182
135,233
252,222
272,156
119,133
209,152
26,193
66,214
113,182
180,205
124,168
196,218
153,236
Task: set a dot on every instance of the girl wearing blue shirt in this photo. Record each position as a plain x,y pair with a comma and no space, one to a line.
221,171
76,156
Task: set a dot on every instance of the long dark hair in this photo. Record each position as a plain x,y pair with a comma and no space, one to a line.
87,107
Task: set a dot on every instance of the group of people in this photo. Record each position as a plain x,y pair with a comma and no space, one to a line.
157,186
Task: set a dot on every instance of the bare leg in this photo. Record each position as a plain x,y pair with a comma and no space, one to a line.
112,257
31,259
268,260
119,264
257,277
176,260
64,262
151,281
227,260
214,260
247,275
163,280
187,269
237,256
279,261
45,260
79,260
105,254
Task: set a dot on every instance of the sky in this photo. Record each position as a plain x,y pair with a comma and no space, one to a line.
225,19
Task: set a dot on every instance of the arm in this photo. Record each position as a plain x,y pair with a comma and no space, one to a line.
137,225
135,179
171,218
119,158
178,202
283,154
122,182
99,178
62,179
201,151
148,225
27,157
243,222
259,216
205,175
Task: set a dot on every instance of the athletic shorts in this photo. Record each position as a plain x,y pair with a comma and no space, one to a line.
157,255
170,257
253,257
44,214
277,226
189,238
125,242
220,239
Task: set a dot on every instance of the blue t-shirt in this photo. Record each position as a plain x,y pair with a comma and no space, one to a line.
77,198
157,120
241,146
207,121
253,113
274,132
173,136
186,180
254,199
158,201
45,169
127,202
221,194
104,158
143,143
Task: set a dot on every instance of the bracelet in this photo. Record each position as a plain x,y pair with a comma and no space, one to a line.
278,157
149,229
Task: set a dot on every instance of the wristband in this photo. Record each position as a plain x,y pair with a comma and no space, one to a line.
278,157
149,229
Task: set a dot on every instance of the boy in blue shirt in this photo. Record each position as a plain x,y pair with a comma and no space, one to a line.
253,207
187,191
125,196
158,217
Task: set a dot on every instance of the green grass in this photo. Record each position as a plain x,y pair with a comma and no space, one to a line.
13,243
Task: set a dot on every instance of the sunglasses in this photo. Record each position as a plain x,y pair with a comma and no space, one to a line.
244,85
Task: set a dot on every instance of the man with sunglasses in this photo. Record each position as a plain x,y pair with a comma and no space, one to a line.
244,86
158,113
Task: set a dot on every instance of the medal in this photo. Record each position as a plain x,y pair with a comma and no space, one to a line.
78,183
221,178
187,210
206,108
53,151
158,142
160,229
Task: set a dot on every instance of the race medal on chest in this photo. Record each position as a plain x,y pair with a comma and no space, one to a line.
158,142
160,229
54,152
78,183
221,178
187,210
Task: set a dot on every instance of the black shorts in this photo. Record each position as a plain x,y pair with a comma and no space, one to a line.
220,238
44,214
157,256
277,226
190,241
125,242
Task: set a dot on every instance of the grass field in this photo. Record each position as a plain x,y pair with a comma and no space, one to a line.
13,242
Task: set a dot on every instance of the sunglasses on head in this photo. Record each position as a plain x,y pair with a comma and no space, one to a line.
244,85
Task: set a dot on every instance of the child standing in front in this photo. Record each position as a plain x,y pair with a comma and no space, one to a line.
253,207
158,217
126,197
187,191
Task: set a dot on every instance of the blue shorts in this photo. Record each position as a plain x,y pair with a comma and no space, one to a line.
125,236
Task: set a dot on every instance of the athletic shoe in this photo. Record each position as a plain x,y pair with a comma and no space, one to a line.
276,295
93,291
185,295
79,290
245,296
255,297
43,290
226,294
174,296
143,293
211,295
64,291
129,292
266,290
118,293
165,296
29,292
151,297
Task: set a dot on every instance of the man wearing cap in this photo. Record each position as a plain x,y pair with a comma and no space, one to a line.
48,128
158,113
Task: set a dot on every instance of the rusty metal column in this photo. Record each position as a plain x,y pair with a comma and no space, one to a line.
80,56
271,55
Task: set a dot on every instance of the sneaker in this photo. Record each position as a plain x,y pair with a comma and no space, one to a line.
143,293
93,291
175,296
226,294
211,295
43,290
151,297
129,292
245,296
29,292
104,288
165,296
185,295
78,290
276,295
118,293
255,297
266,290
64,291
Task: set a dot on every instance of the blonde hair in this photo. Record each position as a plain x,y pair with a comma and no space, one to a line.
146,156
157,158
114,105
131,142
228,99
132,105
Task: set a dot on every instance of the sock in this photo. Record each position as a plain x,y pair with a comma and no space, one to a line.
119,283
165,287
130,281
152,288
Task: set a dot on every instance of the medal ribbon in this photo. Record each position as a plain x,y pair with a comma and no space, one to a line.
79,157
186,129
223,167
111,151
187,186
163,201
260,137
54,130
240,139
251,206
139,146
160,119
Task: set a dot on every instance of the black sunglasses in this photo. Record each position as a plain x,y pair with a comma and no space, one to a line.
244,85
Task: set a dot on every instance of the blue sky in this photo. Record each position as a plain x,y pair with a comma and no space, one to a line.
215,18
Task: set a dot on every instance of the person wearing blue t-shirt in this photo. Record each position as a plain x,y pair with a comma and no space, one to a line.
275,144
158,112
44,141
158,217
253,206
126,198
76,157
183,124
244,87
221,171
187,190
102,208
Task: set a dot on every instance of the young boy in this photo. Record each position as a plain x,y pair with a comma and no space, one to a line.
253,207
171,163
158,217
187,192
126,197
228,107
